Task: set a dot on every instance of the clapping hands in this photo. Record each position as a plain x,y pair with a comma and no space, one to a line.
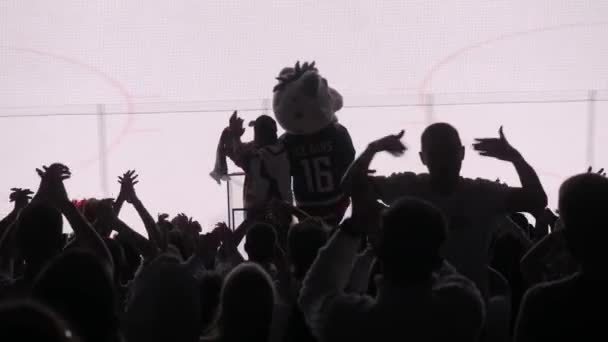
127,186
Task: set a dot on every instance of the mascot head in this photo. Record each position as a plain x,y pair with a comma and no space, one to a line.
303,103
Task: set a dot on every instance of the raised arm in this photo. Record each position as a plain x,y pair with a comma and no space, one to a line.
106,213
390,143
121,198
53,190
230,240
531,196
328,277
128,182
325,283
235,149
21,198
284,277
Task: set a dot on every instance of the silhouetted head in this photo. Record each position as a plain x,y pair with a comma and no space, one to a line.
412,233
90,209
27,320
177,239
260,243
40,234
165,305
583,204
304,241
78,286
264,131
442,152
246,304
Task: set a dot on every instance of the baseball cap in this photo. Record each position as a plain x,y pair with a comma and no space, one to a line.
264,122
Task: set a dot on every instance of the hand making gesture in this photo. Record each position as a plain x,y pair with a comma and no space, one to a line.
127,186
498,148
235,125
51,187
21,197
390,143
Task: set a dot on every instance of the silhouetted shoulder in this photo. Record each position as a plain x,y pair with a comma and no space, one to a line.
483,183
459,308
491,195
546,309
460,293
397,185
400,178
551,292
274,150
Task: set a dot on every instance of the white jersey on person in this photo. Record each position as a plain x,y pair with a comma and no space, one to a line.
267,175
472,210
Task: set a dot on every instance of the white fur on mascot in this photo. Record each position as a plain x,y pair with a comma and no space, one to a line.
319,148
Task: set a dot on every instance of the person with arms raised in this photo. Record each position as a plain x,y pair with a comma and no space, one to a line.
264,160
420,297
472,206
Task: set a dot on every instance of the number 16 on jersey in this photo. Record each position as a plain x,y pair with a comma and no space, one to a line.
317,171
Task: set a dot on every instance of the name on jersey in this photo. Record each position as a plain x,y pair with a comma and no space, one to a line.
325,147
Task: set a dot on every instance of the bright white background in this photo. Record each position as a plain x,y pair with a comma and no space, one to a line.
180,67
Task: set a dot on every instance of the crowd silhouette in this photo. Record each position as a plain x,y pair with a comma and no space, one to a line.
423,257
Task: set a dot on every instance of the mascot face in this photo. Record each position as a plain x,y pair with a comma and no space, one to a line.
303,103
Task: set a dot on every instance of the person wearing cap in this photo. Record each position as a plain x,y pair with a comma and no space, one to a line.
264,160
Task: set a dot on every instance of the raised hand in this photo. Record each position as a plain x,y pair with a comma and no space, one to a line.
222,231
194,226
21,197
236,125
186,224
127,186
600,172
162,218
207,246
365,206
180,221
51,183
390,143
498,148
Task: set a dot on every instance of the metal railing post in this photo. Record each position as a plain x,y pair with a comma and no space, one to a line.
591,99
103,158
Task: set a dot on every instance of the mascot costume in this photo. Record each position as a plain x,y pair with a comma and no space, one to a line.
320,150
